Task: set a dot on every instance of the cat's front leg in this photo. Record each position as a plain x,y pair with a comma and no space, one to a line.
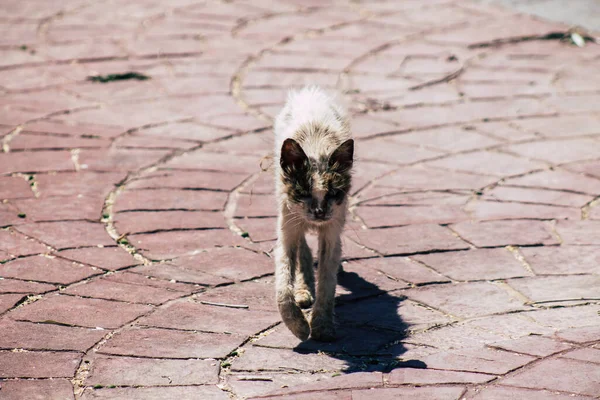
330,251
305,277
286,256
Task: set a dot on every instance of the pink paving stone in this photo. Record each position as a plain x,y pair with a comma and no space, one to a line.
588,354
256,206
364,125
128,371
481,360
188,180
52,389
176,274
9,215
567,318
354,380
62,208
230,263
162,245
66,234
284,384
14,187
111,290
452,139
49,126
466,299
558,288
509,393
185,131
529,195
109,258
409,239
559,151
137,142
7,301
137,279
563,126
170,199
392,197
204,160
358,279
377,217
451,338
429,376
511,325
580,335
44,269
257,294
119,159
400,268
35,141
475,264
558,180
416,393
589,167
394,153
43,364
44,161
30,336
15,244
259,145
209,318
267,359
494,210
19,286
166,343
419,178
579,232
365,171
559,374
80,312
488,163
139,222
532,345
203,392
87,183
259,229
503,233
263,184
563,259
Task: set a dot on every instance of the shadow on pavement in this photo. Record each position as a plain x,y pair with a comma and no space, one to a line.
369,328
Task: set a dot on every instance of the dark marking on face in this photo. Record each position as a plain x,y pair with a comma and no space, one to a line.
317,184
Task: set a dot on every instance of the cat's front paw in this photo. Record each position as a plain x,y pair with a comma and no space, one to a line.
322,330
303,298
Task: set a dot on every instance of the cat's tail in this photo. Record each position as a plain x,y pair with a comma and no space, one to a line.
291,314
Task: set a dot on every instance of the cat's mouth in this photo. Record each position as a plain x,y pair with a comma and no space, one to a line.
319,219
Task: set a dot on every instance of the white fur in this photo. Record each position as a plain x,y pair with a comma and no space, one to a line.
310,105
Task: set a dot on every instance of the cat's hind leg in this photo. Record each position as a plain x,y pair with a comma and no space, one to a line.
304,287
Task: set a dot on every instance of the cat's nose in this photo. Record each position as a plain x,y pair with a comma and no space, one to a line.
319,212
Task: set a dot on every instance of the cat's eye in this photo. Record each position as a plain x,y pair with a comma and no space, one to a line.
335,194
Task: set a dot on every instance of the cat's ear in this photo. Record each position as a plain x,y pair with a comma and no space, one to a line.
292,156
342,158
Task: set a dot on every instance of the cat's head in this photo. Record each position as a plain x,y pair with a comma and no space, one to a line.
316,188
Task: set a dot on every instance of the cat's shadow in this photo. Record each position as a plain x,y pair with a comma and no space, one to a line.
369,328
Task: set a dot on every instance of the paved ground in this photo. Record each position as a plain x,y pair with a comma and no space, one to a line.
473,255
583,13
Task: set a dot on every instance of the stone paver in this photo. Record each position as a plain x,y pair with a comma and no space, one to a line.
137,217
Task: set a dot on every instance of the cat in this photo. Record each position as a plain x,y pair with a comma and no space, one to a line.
314,155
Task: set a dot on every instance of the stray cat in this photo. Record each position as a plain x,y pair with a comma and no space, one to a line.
313,161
